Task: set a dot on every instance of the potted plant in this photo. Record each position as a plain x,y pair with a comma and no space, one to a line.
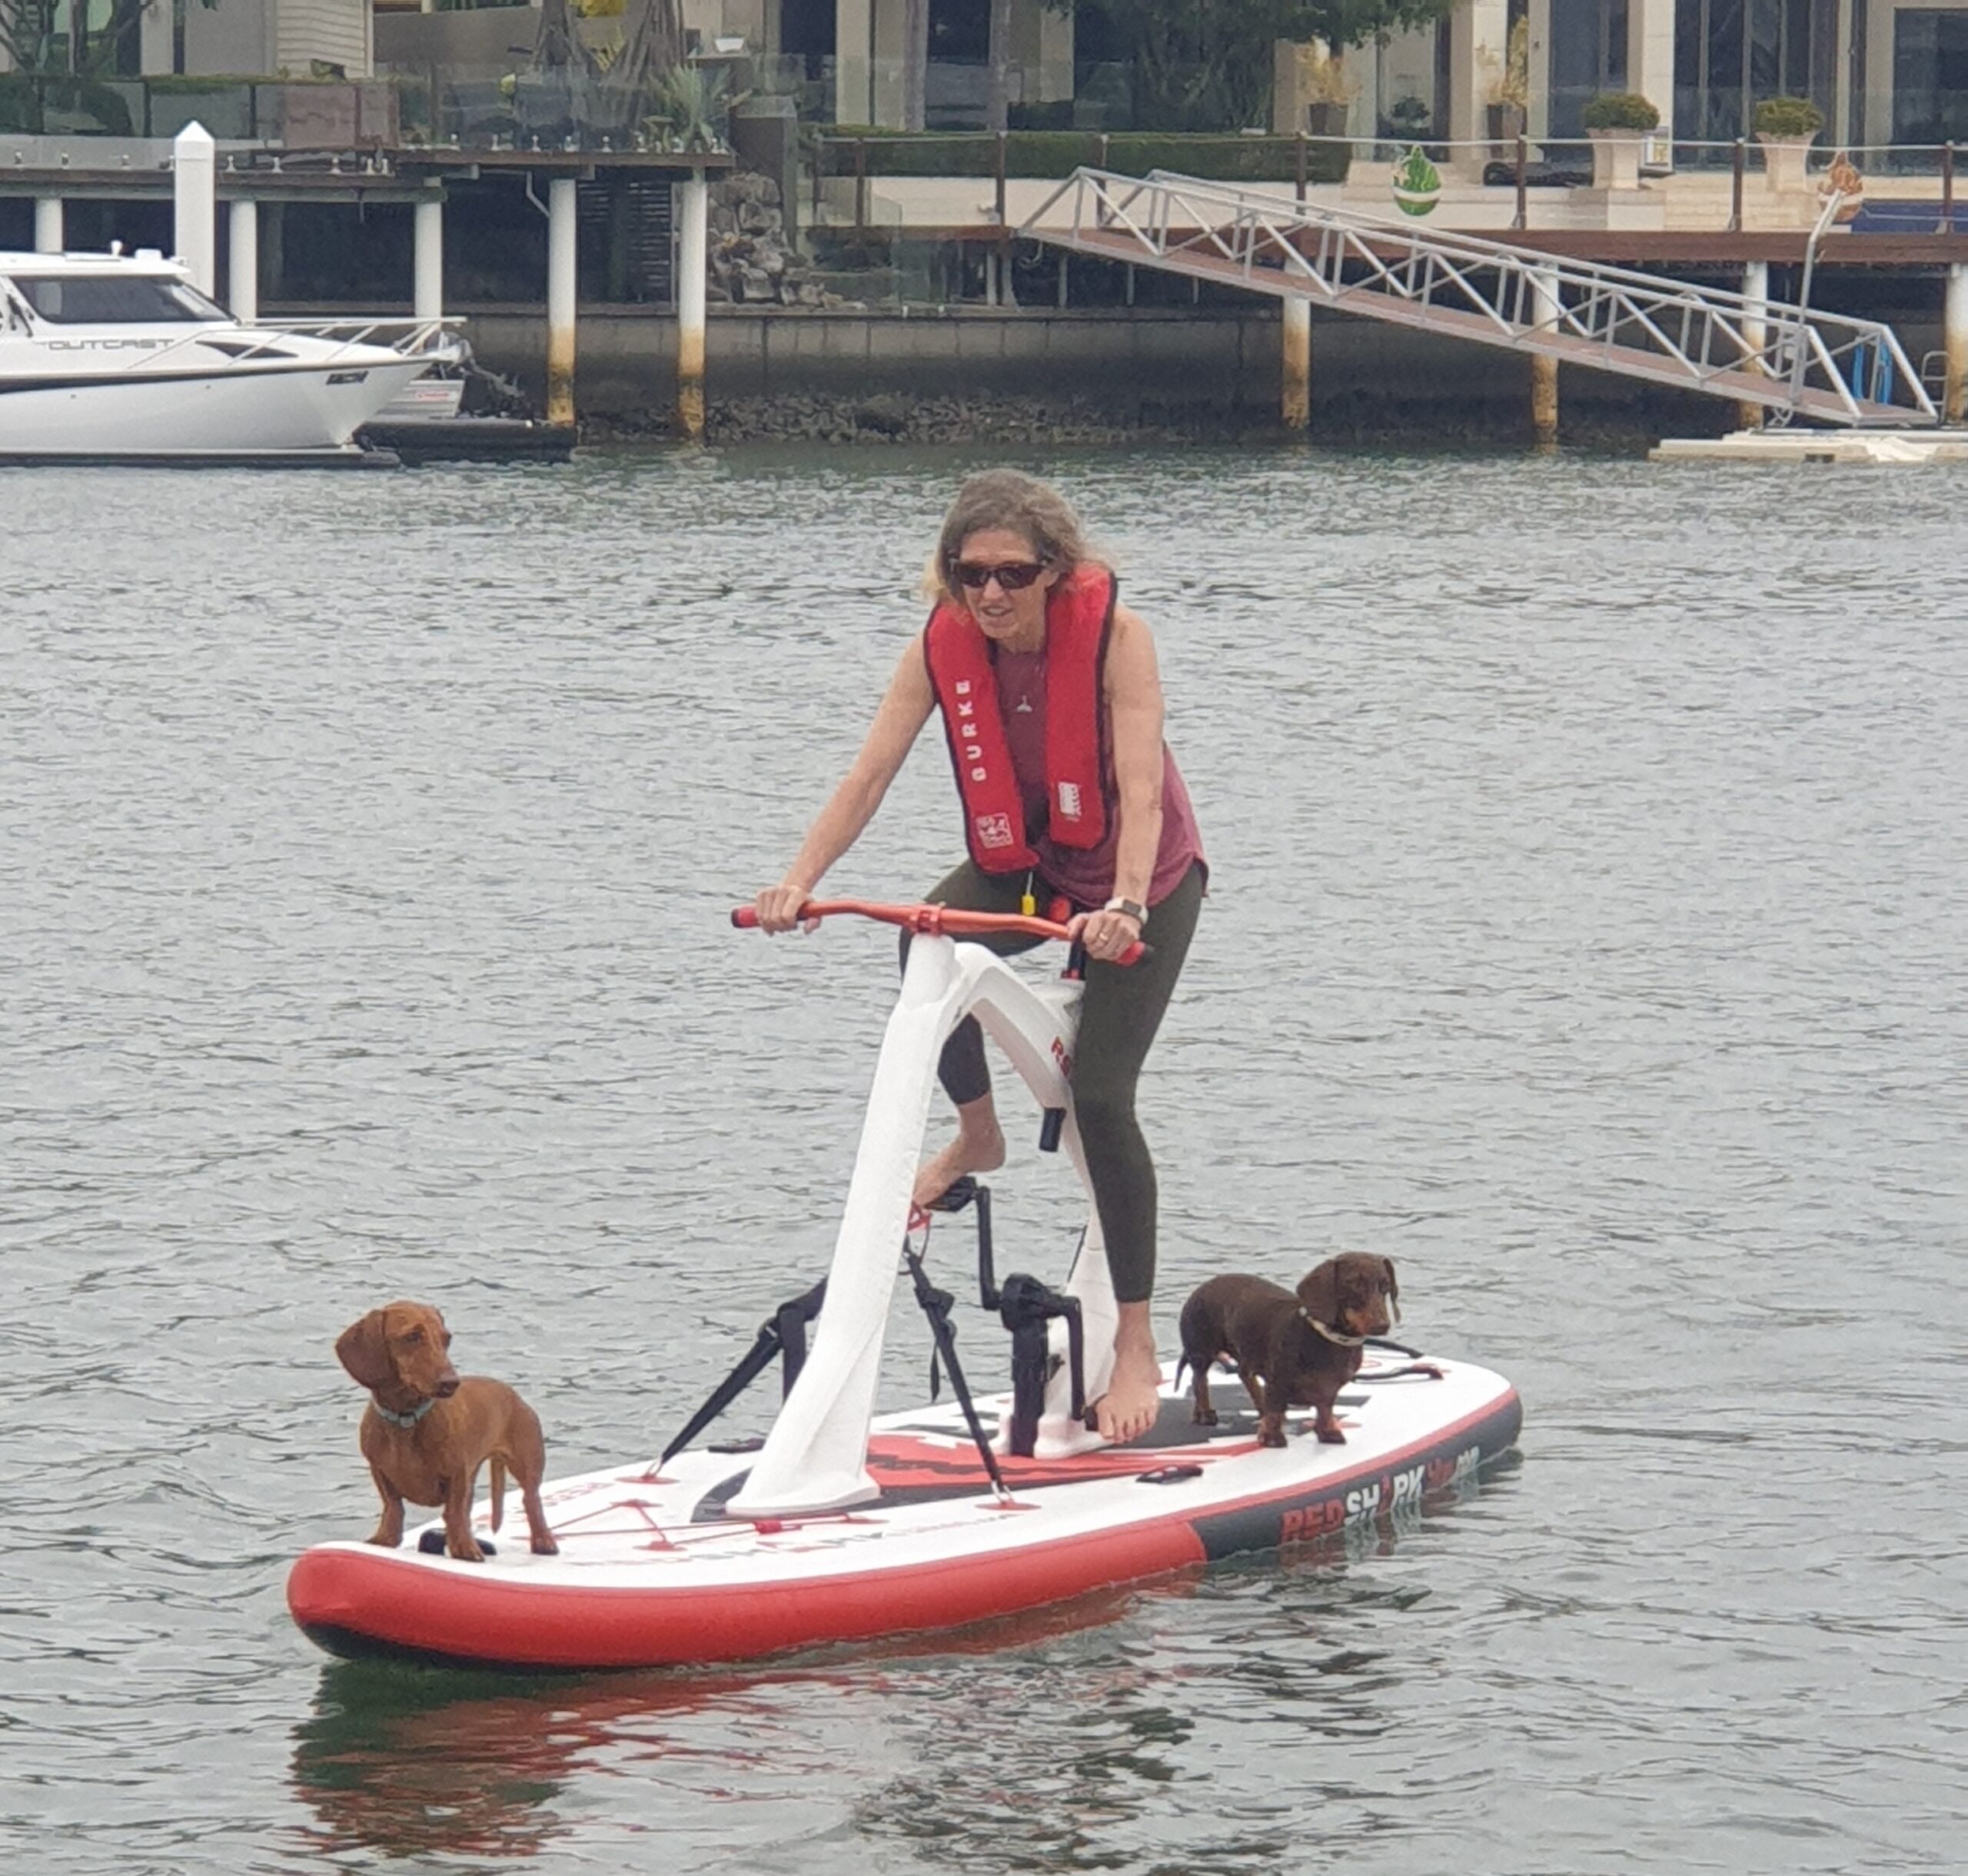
1618,122
1787,128
1410,117
1327,90
1510,89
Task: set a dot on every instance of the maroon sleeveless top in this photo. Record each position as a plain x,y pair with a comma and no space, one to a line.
1086,877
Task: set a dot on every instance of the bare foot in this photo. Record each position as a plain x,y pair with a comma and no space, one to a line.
1133,1399
975,1149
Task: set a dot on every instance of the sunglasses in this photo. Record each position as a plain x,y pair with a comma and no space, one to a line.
1012,576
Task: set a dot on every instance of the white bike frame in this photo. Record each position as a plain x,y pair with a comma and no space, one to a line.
815,1458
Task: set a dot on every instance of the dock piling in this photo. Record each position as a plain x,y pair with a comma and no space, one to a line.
1547,306
242,268
561,252
693,200
427,237
49,235
1756,336
194,197
1954,402
1295,360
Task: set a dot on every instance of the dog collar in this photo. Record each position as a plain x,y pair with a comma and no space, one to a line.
1333,1335
404,1419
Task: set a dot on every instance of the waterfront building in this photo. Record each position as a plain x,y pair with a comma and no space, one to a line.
112,39
1883,71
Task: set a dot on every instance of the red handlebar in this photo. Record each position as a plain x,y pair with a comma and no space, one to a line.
933,921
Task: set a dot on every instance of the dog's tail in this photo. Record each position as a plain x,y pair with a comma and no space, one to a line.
1182,1361
498,1490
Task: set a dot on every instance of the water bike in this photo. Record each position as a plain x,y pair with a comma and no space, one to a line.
843,1525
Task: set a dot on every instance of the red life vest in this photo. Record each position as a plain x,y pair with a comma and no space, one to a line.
1079,609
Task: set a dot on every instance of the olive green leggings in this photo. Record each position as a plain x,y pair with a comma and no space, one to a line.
1119,1014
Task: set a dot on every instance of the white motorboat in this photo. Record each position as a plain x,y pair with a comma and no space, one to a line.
120,356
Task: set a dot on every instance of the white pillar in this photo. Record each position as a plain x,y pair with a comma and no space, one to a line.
1755,333
889,50
1650,59
853,66
428,237
194,188
1056,53
1295,362
693,202
155,32
1875,108
560,280
242,262
49,237
1478,50
1537,116
1956,397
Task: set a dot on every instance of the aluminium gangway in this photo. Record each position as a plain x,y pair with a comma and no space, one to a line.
1794,361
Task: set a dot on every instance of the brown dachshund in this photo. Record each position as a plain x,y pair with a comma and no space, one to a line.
427,1432
1292,1350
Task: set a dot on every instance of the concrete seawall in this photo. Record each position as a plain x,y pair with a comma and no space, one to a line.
1211,365
1205,367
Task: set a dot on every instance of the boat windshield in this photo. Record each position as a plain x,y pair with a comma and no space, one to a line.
113,300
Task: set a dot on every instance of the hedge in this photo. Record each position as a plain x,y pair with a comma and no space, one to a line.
1050,154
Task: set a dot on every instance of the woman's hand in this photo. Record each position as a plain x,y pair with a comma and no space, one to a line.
1106,934
778,907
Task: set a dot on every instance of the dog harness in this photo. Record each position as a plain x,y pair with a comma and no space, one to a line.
403,1419
1079,611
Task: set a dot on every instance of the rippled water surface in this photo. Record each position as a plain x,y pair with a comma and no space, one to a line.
1590,897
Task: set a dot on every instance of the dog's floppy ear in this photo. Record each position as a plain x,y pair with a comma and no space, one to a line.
1319,1293
1393,1290
364,1352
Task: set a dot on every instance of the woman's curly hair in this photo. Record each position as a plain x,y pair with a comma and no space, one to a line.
1005,498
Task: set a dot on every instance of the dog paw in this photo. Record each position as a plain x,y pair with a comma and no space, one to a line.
545,1547
1203,1416
1329,1436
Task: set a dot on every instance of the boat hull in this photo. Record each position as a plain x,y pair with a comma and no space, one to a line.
652,1570
289,405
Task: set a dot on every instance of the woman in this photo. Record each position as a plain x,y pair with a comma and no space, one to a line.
1051,703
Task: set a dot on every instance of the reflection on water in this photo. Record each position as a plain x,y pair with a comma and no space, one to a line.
409,1760
421,1761
412,1764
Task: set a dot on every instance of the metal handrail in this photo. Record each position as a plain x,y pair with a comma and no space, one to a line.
1709,339
435,338
415,333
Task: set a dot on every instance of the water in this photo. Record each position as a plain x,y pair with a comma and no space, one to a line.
1587,936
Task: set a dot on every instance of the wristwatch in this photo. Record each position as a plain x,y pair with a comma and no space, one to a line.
1132,907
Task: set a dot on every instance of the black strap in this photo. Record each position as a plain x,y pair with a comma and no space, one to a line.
783,1332
936,1305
